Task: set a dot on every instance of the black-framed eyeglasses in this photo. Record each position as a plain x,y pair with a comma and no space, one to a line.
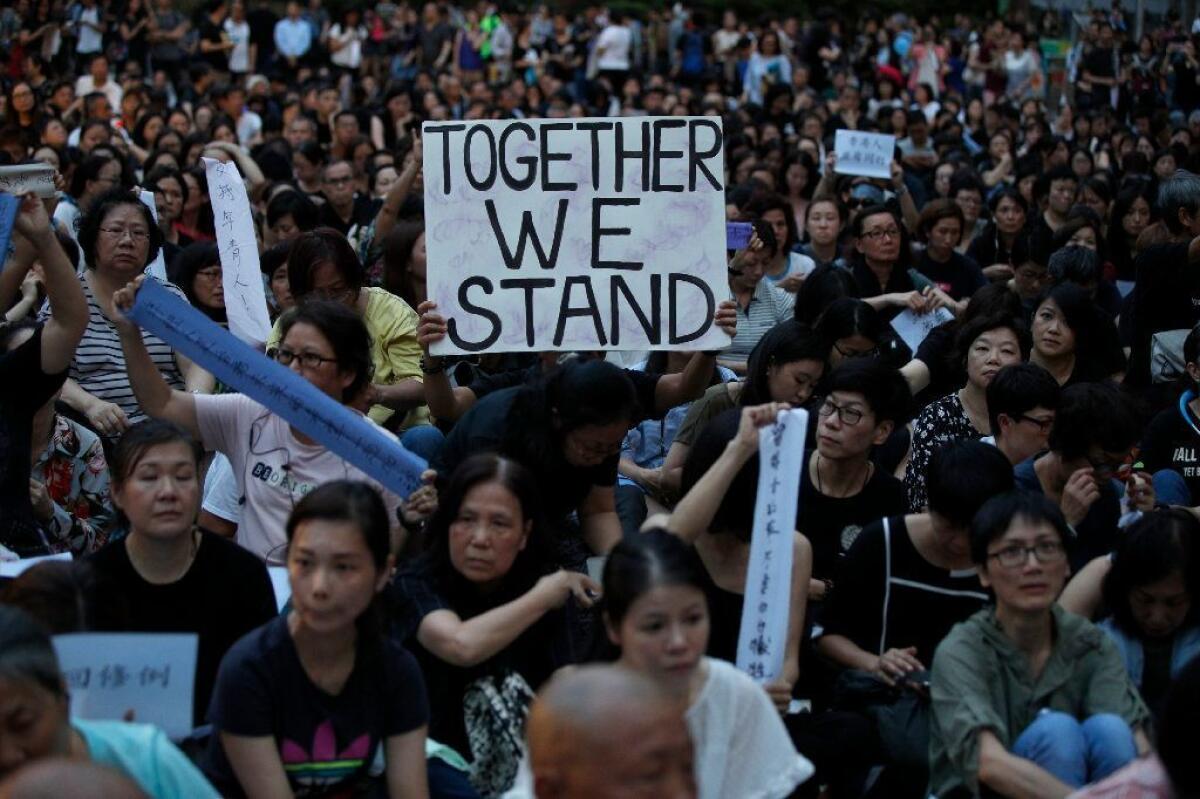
1045,552
1105,466
1043,425
885,233
309,360
848,416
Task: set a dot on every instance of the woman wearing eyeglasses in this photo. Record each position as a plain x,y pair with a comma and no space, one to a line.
880,268
1028,700
197,271
274,464
322,265
119,240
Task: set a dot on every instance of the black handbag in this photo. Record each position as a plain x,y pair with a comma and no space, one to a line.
900,713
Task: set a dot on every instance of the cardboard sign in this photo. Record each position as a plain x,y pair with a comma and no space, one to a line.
867,154
588,234
152,675
762,638
24,178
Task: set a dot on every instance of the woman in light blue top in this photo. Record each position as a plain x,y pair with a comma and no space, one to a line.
35,722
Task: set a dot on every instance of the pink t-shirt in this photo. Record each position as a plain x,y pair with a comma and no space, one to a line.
274,469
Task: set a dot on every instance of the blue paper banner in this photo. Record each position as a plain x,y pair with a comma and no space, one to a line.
280,390
9,206
737,235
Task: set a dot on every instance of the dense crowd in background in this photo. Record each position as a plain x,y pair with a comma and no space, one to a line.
997,547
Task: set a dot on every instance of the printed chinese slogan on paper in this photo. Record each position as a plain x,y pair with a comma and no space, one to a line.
591,234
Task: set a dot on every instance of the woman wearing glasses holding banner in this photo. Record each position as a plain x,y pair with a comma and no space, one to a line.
275,465
1028,700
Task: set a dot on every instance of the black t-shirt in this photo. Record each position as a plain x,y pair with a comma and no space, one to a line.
483,429
432,41
19,528
262,22
960,277
1171,443
327,743
1097,534
935,352
644,385
534,655
1165,297
888,596
831,524
360,214
211,32
224,595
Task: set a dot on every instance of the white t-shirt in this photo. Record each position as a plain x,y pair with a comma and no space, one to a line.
239,56
741,747
350,56
222,497
274,469
90,40
111,89
613,46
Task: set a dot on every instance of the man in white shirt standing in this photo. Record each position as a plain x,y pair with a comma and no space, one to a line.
98,80
293,36
613,47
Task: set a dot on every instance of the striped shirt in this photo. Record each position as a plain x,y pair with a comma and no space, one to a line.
99,365
768,307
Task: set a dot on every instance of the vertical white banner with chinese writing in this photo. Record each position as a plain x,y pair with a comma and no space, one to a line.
762,639
245,299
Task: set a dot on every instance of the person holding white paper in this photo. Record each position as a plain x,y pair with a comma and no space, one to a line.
720,480
984,347
32,690
658,618
174,576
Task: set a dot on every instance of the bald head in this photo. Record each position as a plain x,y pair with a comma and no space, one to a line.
52,778
605,731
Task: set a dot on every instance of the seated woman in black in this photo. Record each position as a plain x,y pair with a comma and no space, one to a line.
567,429
304,703
481,609
173,576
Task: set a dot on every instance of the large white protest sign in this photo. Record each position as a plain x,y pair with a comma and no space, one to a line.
151,675
913,327
762,638
21,179
588,234
157,268
867,154
245,300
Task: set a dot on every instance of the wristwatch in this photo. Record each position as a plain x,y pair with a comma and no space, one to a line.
432,365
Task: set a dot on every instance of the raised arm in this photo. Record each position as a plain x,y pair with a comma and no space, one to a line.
444,400
1082,596
695,511
34,239
390,210
156,397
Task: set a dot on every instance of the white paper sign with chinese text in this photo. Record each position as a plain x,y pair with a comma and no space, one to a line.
245,300
151,674
914,327
762,639
866,154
